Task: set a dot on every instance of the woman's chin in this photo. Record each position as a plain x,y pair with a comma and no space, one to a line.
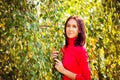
71,36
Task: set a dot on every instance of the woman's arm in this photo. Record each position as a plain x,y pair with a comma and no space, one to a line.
82,60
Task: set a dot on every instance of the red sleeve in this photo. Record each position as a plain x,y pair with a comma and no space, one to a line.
84,66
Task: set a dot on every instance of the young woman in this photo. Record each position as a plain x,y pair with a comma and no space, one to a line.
74,65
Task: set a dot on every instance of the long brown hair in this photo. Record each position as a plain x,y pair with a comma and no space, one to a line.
81,38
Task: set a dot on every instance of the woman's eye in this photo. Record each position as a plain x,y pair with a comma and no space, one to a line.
74,26
68,26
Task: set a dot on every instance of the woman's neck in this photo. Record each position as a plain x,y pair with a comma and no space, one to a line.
71,41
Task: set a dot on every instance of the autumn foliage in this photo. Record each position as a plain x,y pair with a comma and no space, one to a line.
31,29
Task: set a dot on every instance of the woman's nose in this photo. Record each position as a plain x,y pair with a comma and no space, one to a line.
70,28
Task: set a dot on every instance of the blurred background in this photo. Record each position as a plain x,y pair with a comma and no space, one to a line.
31,29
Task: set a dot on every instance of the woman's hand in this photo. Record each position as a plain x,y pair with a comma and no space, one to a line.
59,66
54,54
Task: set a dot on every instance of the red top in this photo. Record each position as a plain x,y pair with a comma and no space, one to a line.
75,59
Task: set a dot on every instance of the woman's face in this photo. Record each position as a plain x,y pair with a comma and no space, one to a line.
72,29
